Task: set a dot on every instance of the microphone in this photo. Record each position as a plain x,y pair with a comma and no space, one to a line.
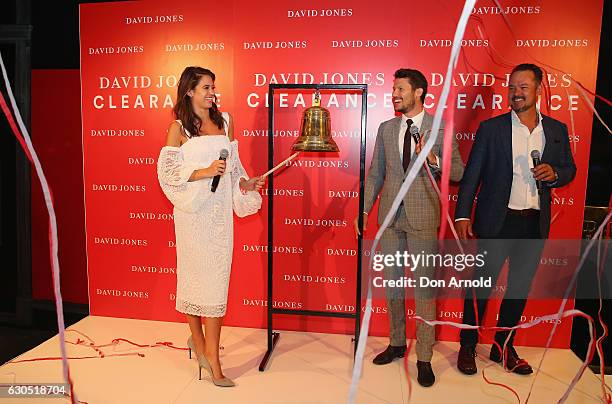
535,157
215,182
416,136
414,131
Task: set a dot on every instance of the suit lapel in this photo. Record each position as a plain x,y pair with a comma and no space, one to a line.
393,141
426,124
506,138
548,138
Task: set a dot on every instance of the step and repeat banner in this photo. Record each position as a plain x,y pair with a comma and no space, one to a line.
133,53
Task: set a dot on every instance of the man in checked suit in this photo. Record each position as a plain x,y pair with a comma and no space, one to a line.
512,216
416,222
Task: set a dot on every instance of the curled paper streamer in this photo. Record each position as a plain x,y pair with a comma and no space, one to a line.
26,143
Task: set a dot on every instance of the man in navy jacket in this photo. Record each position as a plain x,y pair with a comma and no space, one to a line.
512,216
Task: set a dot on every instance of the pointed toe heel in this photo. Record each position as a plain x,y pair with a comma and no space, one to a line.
224,382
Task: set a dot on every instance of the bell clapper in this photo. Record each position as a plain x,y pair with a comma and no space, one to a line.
317,99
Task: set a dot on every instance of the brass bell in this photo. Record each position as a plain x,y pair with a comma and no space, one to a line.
315,130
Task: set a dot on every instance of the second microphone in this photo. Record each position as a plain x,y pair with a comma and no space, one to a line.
215,182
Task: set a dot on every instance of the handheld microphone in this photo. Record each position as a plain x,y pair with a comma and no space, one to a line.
416,136
414,131
535,157
215,182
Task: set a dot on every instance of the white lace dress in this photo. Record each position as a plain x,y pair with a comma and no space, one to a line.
203,220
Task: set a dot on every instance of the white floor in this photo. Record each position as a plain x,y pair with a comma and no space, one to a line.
305,368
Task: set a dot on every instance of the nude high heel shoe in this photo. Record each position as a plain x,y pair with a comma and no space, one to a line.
223,382
203,363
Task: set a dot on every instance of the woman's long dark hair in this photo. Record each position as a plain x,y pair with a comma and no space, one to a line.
183,110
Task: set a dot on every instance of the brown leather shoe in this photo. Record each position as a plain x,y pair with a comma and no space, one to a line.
389,354
425,375
466,362
513,362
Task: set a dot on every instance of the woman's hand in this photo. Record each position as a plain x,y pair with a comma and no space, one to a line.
253,184
217,167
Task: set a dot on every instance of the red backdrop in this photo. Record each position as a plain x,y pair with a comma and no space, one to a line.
56,135
133,53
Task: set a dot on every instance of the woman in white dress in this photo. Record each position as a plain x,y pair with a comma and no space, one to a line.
203,219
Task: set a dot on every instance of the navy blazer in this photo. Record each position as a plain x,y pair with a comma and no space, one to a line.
490,167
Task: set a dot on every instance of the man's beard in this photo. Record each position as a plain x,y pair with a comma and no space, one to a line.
521,109
405,109
524,108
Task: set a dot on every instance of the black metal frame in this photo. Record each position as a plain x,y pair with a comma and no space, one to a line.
274,336
20,35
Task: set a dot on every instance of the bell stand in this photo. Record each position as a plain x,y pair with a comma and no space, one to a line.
272,335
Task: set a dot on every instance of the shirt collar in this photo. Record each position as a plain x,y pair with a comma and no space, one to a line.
417,120
516,121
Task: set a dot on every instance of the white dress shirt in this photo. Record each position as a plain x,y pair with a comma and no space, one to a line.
524,194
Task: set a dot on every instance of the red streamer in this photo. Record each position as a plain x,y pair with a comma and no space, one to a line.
14,127
57,358
502,385
21,140
447,147
97,348
408,350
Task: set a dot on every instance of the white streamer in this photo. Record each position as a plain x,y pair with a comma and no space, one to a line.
52,225
590,104
410,177
462,326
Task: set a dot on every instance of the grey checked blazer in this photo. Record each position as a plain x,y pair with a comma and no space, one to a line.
421,202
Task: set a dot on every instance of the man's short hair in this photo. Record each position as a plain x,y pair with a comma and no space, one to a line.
537,72
416,79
